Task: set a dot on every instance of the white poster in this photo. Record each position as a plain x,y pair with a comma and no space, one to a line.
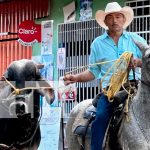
61,58
46,37
48,62
69,12
68,92
50,127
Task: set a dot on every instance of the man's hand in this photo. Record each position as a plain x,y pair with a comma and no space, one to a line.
69,79
135,62
84,76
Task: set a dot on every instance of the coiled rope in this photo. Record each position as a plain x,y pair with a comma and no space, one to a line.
119,76
86,66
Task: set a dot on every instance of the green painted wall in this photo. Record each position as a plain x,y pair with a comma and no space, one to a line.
36,49
56,14
100,4
58,17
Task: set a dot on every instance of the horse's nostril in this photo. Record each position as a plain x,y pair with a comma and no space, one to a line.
20,98
18,108
28,91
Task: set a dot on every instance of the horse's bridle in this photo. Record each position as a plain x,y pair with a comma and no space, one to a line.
30,137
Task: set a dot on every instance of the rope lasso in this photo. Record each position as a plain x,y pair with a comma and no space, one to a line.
119,76
82,67
126,55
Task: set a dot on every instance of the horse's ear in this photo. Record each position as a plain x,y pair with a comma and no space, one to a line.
6,74
141,46
40,66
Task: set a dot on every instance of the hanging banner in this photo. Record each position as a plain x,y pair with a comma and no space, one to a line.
61,58
29,33
47,37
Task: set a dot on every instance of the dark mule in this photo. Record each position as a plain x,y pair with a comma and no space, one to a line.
20,108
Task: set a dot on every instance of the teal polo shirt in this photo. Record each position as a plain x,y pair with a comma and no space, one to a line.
104,49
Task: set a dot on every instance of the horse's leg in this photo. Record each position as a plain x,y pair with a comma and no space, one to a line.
76,116
87,143
35,141
71,138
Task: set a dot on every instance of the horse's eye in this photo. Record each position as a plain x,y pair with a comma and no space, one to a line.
29,77
28,91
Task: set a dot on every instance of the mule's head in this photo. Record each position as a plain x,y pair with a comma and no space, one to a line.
26,80
145,70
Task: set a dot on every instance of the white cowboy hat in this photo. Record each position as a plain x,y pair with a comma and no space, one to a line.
112,8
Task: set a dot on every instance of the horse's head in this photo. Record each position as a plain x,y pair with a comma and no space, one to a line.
26,85
145,49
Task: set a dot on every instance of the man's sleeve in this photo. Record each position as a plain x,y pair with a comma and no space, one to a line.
94,69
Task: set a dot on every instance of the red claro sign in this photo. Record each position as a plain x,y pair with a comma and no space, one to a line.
29,33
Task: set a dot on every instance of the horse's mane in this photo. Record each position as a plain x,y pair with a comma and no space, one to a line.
5,90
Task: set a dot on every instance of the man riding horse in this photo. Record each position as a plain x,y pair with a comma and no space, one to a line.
107,47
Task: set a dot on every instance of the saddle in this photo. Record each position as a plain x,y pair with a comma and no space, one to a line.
90,113
88,116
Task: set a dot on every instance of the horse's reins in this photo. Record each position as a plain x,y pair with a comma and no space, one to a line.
86,66
17,91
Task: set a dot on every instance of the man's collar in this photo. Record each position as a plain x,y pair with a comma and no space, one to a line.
125,34
105,35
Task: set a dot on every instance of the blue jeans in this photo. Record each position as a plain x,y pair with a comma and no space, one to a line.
99,125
